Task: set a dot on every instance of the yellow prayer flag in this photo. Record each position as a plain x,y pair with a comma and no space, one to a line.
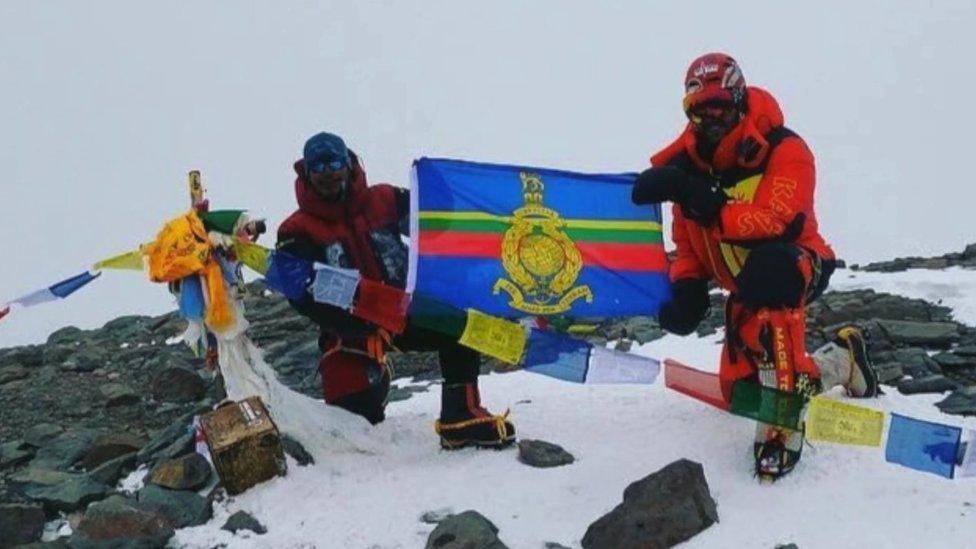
253,255
495,337
833,421
130,261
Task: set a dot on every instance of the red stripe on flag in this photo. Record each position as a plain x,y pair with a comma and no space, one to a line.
461,244
699,385
609,255
624,257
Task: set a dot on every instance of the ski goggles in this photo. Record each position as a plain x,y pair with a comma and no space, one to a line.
322,166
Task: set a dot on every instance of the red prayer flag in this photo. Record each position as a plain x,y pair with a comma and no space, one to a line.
4,311
385,306
699,385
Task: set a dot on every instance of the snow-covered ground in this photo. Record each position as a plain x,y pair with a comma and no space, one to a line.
839,496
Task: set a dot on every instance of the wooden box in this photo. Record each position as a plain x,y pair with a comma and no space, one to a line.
244,444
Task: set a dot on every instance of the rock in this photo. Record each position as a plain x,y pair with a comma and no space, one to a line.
119,394
87,359
951,360
12,373
64,450
15,453
467,530
182,509
35,477
786,546
928,334
68,334
961,402
968,351
109,446
928,384
660,510
539,453
554,545
163,440
177,384
243,521
190,472
71,495
295,449
39,434
110,471
122,523
888,373
20,523
180,447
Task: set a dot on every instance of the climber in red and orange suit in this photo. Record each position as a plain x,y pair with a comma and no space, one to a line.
742,188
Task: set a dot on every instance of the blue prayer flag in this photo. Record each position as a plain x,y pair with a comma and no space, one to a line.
557,356
288,275
922,445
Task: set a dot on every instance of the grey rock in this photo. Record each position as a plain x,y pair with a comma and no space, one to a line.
888,373
189,472
119,394
15,453
180,447
162,440
467,530
952,360
12,373
554,545
660,510
118,522
786,546
111,471
178,384
64,450
36,477
41,433
86,359
241,520
295,449
539,453
968,351
960,402
68,334
30,356
182,509
109,446
20,523
928,384
928,334
71,495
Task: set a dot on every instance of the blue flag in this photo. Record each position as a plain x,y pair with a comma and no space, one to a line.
517,241
922,445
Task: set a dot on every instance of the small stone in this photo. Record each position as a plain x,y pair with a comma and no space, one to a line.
928,334
64,450
960,402
41,433
178,384
928,384
121,522
20,523
539,453
15,453
951,360
110,471
467,530
295,449
241,520
71,495
12,373
119,394
181,508
190,472
786,546
110,446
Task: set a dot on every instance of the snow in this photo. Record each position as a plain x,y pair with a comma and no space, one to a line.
839,496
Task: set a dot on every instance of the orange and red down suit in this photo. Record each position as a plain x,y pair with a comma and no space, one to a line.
764,247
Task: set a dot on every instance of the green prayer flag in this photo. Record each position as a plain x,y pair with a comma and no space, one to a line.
437,316
766,404
221,221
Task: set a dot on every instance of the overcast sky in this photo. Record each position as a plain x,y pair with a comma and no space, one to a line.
105,106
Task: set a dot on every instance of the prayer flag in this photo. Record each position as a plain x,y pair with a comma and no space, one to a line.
335,286
699,385
609,366
557,356
833,421
496,337
922,445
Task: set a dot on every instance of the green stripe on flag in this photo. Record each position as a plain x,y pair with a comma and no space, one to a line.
586,233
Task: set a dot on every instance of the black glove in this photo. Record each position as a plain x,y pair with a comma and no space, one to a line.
687,308
659,184
701,199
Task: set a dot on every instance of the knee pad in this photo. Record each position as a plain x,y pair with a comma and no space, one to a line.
774,276
355,382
